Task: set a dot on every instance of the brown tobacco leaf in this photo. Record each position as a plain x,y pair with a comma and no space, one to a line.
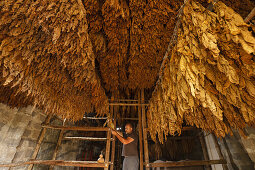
48,59
208,79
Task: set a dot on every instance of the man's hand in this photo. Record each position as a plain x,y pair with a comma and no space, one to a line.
114,133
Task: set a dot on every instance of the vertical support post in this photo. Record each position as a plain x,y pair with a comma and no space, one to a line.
114,138
140,130
225,167
108,143
204,149
39,141
57,146
145,141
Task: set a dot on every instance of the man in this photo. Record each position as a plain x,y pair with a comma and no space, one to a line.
129,150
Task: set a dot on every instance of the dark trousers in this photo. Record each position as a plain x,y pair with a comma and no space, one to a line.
131,163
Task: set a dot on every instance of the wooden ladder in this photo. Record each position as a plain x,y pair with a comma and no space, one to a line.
61,137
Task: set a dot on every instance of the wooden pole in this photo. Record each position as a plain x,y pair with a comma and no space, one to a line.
58,163
145,140
108,143
204,149
86,138
77,128
250,16
187,163
39,141
140,131
114,110
225,167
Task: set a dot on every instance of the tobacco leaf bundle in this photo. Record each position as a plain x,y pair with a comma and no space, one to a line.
207,80
46,55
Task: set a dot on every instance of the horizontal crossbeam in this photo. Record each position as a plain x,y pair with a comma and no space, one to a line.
186,163
59,163
77,128
85,138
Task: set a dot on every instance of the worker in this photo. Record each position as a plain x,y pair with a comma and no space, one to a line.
129,150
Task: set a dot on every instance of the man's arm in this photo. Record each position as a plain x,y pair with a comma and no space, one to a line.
123,140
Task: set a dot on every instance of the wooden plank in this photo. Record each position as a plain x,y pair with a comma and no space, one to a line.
86,138
225,167
128,104
40,139
77,128
140,131
187,163
59,163
205,151
145,140
57,146
250,16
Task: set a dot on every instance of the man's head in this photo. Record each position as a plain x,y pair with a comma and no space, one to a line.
128,128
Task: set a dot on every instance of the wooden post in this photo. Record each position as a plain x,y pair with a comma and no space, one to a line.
140,131
217,146
204,149
108,143
57,146
114,138
40,139
145,141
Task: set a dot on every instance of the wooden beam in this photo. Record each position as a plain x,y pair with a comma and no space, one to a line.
40,139
108,142
77,128
145,140
250,16
94,118
114,137
128,104
225,167
140,131
86,138
59,163
205,151
187,163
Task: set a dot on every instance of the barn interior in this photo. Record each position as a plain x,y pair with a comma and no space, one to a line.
182,72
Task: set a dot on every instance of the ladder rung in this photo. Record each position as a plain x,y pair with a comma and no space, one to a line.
60,163
77,128
86,138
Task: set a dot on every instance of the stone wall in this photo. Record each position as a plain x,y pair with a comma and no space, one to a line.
235,153
249,143
19,132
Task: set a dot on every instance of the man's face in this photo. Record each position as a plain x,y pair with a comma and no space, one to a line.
128,129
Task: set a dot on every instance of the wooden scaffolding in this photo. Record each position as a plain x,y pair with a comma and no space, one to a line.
110,141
